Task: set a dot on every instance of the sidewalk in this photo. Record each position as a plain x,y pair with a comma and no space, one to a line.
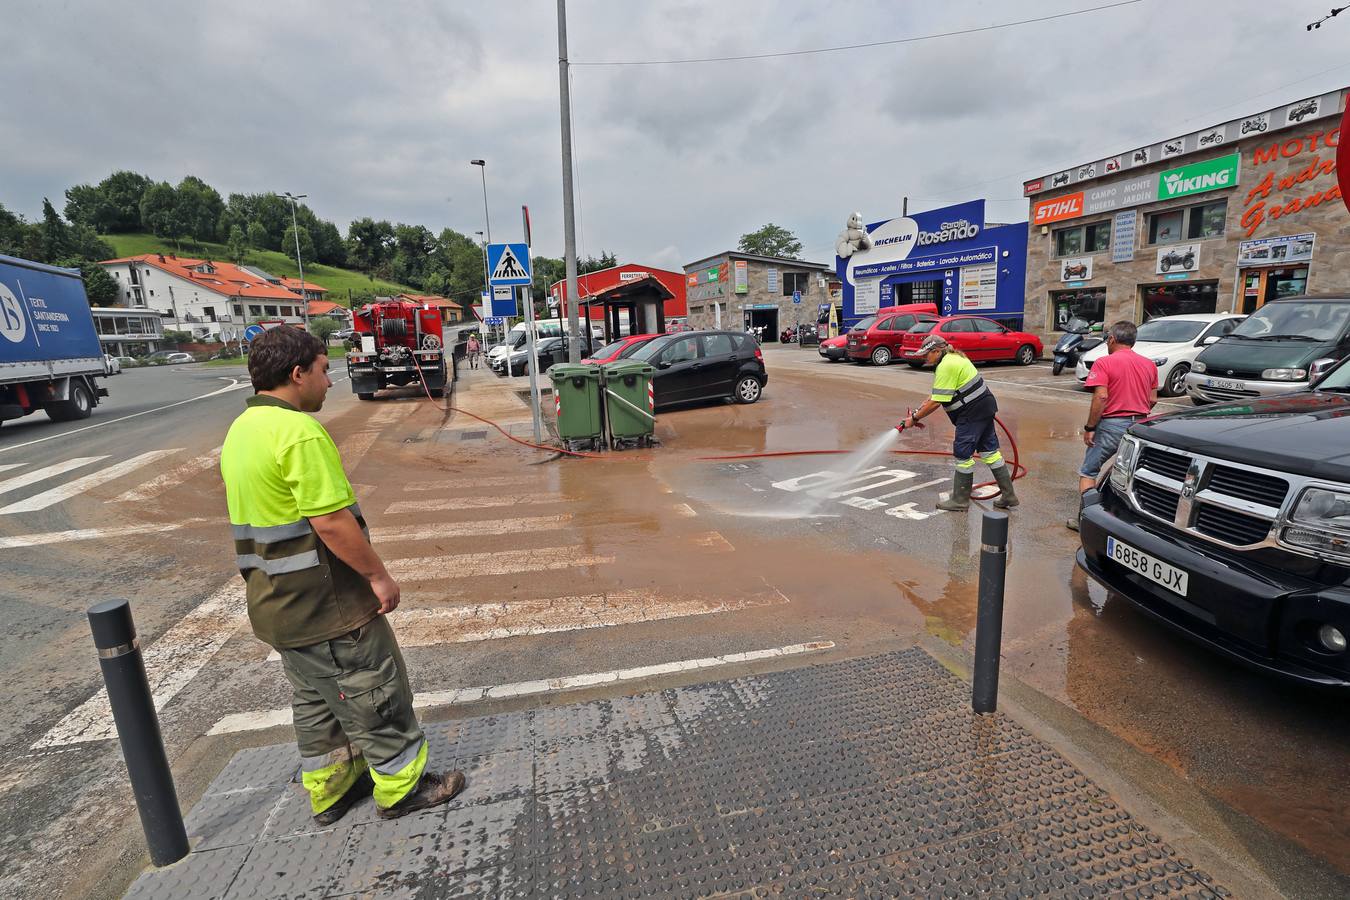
867,777
503,400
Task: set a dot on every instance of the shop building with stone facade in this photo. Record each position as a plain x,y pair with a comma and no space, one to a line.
1219,220
743,291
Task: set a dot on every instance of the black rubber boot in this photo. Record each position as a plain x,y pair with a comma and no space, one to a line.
960,498
1007,499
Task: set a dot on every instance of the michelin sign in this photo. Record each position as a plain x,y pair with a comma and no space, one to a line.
871,261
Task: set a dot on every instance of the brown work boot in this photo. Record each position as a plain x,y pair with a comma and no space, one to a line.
359,790
432,790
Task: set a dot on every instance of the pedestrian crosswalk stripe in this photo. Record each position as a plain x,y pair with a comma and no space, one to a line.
464,483
18,541
175,476
474,565
7,466
22,481
80,485
468,529
171,662
353,448
274,718
451,504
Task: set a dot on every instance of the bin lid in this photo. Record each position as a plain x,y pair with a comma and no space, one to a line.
628,367
564,371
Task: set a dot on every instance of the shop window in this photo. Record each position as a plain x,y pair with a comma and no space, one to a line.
1179,299
793,282
1192,223
255,311
1085,304
1094,238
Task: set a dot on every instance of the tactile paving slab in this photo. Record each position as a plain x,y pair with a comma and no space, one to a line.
865,778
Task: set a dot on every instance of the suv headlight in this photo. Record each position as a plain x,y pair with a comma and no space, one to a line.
1284,374
1127,455
1199,368
1160,361
1320,521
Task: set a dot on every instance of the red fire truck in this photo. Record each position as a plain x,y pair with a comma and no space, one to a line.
398,343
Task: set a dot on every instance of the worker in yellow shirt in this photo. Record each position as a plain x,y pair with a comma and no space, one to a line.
319,593
959,389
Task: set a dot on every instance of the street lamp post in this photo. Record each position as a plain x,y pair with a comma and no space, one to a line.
487,305
295,227
487,224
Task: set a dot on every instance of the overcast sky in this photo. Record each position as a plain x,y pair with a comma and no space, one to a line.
374,108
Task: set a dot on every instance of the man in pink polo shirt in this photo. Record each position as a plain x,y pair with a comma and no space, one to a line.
1124,390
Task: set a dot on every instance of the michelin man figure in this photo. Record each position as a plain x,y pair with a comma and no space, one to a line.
853,238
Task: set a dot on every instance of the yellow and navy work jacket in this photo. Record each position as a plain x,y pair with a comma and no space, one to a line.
961,390
280,468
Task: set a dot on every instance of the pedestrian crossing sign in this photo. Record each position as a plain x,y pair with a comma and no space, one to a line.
509,264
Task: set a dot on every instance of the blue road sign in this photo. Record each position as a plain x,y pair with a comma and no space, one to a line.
509,265
503,302
494,320
796,296
253,331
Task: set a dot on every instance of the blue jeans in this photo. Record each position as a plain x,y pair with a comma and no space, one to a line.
1105,441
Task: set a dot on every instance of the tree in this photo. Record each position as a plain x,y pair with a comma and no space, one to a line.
322,327
177,337
771,240
237,246
606,260
54,234
368,243
159,211
306,244
99,286
13,232
198,208
328,246
114,205
546,271
257,236
84,245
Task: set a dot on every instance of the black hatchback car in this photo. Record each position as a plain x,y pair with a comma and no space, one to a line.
705,365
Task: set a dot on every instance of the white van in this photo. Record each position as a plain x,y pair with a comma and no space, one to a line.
543,328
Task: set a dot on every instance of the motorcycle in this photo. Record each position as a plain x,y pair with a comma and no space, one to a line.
787,336
1172,258
1074,343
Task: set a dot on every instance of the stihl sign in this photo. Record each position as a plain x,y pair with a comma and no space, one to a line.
1047,211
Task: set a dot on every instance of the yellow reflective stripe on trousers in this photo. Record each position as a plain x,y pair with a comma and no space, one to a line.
965,464
992,460
327,784
393,787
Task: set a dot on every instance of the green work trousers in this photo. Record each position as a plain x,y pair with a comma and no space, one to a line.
353,709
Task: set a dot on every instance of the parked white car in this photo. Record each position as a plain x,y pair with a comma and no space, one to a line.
1173,343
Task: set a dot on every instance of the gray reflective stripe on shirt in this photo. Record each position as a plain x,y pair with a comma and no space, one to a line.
971,390
268,534
940,392
280,566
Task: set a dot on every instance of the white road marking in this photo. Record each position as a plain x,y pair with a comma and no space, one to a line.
524,618
80,485
468,529
234,386
171,663
917,487
472,565
92,534
21,481
685,510
353,449
451,504
462,483
7,466
391,413
254,721
175,476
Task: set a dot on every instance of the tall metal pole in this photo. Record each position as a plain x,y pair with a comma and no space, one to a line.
569,213
531,360
295,227
487,224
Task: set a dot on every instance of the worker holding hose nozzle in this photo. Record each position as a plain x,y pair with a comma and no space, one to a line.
960,390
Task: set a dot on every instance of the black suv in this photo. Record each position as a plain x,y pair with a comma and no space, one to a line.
705,365
1232,524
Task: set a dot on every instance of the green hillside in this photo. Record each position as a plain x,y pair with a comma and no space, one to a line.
337,281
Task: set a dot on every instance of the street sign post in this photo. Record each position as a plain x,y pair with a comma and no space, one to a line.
253,331
509,267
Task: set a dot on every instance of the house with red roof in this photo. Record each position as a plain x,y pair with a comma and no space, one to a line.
307,289
212,300
452,311
334,311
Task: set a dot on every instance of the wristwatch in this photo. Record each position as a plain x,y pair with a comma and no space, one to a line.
1089,428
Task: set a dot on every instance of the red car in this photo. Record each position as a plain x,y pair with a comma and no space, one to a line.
981,339
878,338
620,349
834,349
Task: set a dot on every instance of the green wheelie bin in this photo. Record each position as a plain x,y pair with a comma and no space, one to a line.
629,403
576,398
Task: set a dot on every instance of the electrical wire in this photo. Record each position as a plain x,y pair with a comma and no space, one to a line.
839,49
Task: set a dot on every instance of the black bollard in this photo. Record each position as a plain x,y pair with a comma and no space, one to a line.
989,618
133,709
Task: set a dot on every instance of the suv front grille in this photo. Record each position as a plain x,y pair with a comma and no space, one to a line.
1231,527
1266,490
1156,501
1172,465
